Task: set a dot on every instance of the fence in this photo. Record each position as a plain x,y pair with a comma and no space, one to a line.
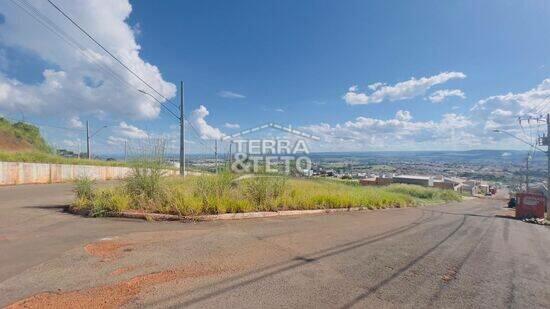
15,173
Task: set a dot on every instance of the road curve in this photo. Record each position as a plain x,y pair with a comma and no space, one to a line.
466,254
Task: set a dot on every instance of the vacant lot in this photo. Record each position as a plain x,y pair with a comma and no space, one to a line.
224,193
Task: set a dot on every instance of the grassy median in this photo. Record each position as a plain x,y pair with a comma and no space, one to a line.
226,193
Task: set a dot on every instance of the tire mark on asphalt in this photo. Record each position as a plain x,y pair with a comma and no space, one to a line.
265,272
458,269
382,283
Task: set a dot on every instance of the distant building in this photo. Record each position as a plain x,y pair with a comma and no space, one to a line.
378,181
425,181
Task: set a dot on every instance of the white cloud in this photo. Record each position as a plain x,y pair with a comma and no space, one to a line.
75,122
116,141
373,86
280,110
401,91
232,125
71,143
353,88
440,95
76,81
365,133
131,131
501,111
206,131
403,115
230,95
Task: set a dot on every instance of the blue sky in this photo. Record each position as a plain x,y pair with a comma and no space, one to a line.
293,62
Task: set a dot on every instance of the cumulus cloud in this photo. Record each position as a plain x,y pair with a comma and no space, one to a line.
440,95
230,95
206,131
403,115
80,80
115,140
131,131
364,133
232,125
401,91
501,111
75,122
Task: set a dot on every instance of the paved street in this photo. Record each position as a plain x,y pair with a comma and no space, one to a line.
458,255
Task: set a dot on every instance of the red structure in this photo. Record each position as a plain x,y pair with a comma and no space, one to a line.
530,205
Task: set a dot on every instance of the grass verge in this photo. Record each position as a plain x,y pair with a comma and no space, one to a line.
218,194
43,157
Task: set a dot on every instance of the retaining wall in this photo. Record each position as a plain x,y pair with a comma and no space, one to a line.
15,173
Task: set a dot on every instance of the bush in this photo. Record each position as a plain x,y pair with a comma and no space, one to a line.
84,188
262,191
144,182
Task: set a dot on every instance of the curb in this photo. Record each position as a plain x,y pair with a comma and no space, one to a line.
227,216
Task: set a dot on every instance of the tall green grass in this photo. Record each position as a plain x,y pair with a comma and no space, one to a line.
43,157
223,193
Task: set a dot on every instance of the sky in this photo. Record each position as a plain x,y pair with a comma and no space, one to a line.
362,75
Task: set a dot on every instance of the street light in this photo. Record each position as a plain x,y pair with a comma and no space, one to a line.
89,137
181,120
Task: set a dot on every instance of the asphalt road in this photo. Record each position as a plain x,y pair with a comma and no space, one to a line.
458,255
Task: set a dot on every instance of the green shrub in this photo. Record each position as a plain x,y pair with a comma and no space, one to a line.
84,188
144,180
262,191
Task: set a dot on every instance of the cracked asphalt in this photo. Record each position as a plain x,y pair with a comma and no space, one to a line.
460,255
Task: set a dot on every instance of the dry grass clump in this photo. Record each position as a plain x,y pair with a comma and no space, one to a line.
225,193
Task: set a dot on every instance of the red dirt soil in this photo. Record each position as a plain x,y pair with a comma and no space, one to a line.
120,271
107,250
113,295
11,143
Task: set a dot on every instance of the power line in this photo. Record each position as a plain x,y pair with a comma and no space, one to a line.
52,27
46,22
107,51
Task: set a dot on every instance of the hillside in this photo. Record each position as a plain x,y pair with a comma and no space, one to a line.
21,137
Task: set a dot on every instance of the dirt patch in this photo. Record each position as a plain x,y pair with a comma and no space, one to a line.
449,276
122,270
10,143
108,250
114,295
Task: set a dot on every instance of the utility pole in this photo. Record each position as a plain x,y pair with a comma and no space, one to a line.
527,173
230,157
125,150
547,142
182,133
88,141
216,154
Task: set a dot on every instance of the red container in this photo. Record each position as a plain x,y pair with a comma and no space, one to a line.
530,205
